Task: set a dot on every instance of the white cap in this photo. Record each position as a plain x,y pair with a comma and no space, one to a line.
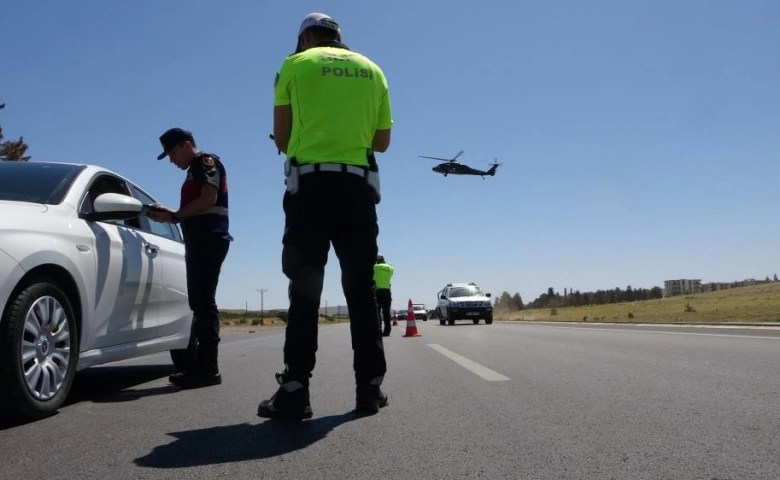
318,20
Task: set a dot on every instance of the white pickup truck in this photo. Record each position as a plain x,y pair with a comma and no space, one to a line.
463,301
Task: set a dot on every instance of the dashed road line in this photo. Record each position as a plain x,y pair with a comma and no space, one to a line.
470,365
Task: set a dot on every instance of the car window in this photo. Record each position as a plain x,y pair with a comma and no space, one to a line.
464,291
38,182
165,230
105,183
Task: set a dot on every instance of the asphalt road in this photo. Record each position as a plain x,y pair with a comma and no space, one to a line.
507,400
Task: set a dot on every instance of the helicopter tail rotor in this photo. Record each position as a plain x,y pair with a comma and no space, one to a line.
493,167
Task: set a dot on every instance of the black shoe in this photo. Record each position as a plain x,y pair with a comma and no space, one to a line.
369,399
195,379
386,334
293,405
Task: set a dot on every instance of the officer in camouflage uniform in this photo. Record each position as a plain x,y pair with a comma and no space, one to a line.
203,215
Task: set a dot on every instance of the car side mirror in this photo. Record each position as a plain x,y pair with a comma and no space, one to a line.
443,297
113,206
487,295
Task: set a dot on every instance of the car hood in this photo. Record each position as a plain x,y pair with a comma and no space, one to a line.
8,208
15,216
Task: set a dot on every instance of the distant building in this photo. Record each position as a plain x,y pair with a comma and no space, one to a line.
681,287
715,286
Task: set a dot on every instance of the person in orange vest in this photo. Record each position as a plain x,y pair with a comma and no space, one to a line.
383,273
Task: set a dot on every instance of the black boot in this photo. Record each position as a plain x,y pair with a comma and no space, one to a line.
369,399
386,332
205,371
290,402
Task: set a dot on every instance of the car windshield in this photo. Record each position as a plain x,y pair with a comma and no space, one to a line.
36,182
418,307
468,291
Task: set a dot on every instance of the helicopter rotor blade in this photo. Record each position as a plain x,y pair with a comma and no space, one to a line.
451,160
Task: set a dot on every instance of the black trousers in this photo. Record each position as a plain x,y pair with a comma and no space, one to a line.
384,299
203,258
331,208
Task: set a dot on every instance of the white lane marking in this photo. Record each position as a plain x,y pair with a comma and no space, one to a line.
472,366
658,331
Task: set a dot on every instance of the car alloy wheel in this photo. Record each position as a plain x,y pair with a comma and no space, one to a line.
45,348
38,350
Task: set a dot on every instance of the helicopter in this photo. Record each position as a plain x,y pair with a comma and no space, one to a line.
452,166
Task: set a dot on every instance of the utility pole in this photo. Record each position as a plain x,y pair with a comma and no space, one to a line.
262,291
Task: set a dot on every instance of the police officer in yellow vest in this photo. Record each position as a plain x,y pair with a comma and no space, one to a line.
383,273
331,113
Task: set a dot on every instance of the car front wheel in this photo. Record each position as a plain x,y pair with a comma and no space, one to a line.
39,350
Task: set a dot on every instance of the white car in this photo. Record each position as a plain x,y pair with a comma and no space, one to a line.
463,301
420,312
84,280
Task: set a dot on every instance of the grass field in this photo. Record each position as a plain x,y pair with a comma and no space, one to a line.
270,318
760,303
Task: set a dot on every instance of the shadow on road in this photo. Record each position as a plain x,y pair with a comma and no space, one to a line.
9,419
236,443
107,384
113,384
463,324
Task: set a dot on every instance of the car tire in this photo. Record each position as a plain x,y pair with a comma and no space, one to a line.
476,321
183,359
442,321
450,321
38,324
489,320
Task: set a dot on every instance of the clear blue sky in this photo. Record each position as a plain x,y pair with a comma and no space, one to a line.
639,140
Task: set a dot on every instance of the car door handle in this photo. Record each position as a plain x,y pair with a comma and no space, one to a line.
151,249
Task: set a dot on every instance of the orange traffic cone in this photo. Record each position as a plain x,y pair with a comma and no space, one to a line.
411,325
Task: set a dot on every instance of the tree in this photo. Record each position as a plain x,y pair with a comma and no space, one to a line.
517,302
504,302
12,150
